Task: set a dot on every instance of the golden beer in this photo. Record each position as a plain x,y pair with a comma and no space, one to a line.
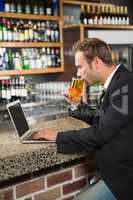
75,89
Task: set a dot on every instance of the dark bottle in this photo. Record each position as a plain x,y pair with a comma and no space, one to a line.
3,91
85,20
13,6
48,31
82,14
48,8
1,5
57,58
10,59
1,59
5,33
56,32
35,8
6,61
41,9
1,29
19,6
54,7
27,7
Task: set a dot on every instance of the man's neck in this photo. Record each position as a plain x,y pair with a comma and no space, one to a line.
107,72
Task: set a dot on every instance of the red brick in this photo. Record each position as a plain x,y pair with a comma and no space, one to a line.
71,187
81,170
29,187
85,169
59,178
68,198
29,198
6,194
49,195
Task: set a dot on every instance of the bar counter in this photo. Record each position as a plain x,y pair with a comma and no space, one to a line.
17,159
69,172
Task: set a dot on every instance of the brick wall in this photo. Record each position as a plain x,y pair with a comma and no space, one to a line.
61,184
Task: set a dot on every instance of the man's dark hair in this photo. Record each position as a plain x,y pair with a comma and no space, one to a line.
94,47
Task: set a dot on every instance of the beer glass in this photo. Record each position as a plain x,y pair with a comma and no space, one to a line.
74,92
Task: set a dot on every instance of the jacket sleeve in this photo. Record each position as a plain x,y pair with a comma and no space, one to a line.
83,112
112,118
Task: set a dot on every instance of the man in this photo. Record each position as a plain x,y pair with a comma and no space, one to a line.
110,135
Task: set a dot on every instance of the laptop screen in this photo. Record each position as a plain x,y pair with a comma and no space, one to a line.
18,118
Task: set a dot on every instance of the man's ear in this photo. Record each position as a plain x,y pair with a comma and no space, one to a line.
96,63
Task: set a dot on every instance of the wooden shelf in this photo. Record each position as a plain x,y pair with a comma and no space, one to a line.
119,27
28,16
31,71
84,3
124,27
30,44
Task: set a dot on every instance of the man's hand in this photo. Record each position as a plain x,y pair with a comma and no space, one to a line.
47,134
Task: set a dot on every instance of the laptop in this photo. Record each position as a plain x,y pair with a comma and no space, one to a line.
20,124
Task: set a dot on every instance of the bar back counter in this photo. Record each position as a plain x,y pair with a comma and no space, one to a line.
37,171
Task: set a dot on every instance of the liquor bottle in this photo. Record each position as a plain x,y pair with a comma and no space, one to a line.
23,90
48,8
8,90
57,58
7,6
1,30
3,91
43,57
1,5
13,93
17,61
30,24
126,15
48,31
41,10
107,13
82,14
39,31
6,61
27,7
52,57
112,19
52,33
5,33
9,31
35,32
1,59
56,32
98,14
10,59
19,6
35,8
119,20
21,31
88,14
100,21
54,6
95,15
26,32
25,61
13,6
49,60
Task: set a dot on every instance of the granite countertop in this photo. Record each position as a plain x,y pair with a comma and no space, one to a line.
18,159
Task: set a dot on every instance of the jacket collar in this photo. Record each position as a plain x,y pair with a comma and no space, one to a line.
117,75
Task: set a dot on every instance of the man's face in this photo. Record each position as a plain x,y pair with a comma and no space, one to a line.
86,71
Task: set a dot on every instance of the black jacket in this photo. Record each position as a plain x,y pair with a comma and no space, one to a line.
111,136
